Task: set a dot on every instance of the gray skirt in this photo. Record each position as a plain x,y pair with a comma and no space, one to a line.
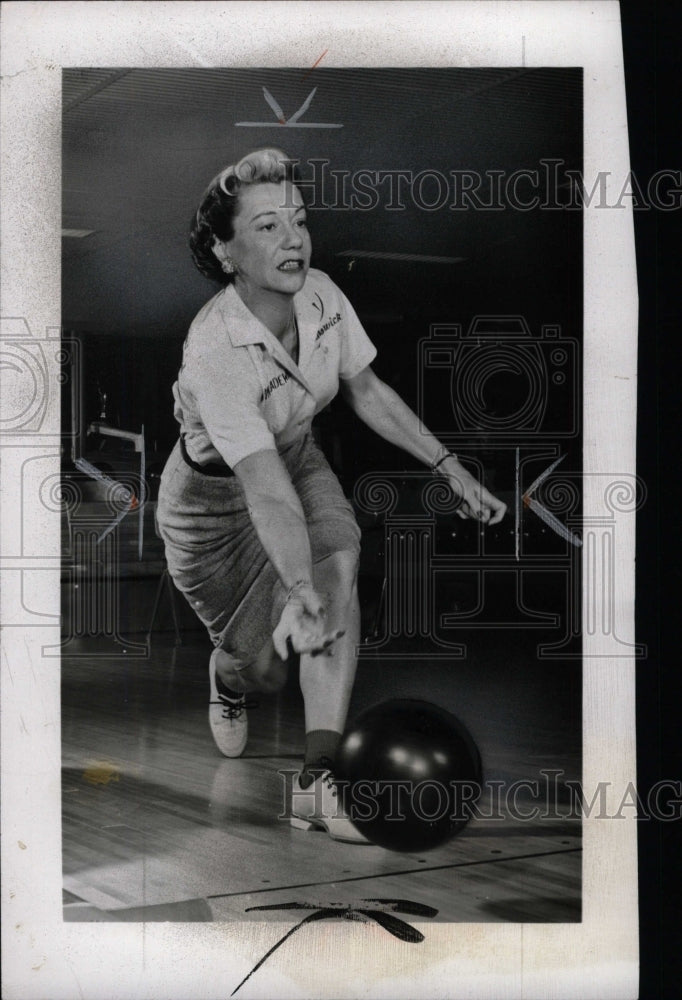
215,557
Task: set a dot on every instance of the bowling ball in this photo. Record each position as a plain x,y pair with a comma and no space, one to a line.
408,771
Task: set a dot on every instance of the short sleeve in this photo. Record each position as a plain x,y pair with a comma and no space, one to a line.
228,407
357,350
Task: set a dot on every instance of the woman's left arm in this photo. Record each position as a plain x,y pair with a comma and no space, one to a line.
384,411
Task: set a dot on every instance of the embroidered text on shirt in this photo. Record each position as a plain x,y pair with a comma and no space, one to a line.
332,321
275,382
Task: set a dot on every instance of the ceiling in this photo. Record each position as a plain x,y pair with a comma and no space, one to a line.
139,147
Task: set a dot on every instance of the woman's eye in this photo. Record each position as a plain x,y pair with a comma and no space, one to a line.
303,223
268,226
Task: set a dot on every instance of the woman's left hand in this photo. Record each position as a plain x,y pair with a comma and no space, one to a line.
476,501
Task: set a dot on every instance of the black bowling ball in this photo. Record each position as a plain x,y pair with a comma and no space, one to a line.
408,772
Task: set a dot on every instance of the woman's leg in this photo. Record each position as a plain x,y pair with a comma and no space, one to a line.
327,679
266,673
230,681
327,683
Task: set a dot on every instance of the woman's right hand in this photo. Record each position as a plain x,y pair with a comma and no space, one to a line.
304,622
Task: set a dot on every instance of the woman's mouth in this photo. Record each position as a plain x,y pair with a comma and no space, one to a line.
295,264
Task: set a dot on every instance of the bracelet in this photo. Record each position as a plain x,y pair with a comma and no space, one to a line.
297,586
434,466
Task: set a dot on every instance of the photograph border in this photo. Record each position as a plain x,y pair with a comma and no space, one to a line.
54,959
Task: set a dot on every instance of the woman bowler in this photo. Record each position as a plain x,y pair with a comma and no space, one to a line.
258,533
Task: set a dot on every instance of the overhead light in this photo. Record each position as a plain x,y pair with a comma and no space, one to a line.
381,255
77,234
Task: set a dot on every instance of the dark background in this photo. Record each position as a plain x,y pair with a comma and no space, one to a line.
140,146
651,33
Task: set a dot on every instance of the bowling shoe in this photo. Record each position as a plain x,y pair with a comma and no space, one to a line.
318,807
227,716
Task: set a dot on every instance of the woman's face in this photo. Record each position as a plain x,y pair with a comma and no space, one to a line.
271,244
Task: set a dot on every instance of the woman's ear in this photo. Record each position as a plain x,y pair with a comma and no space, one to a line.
220,250
223,255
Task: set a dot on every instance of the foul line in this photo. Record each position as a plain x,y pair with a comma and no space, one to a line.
405,871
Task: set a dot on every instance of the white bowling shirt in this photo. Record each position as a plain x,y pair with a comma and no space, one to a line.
239,392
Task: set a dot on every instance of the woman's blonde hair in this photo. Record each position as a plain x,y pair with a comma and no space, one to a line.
215,214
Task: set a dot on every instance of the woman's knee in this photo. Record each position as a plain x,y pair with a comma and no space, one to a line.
338,573
265,672
268,670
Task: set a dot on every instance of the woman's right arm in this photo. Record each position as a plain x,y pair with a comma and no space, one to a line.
279,522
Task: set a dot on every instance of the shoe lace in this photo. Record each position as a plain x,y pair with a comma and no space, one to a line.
322,771
233,709
328,779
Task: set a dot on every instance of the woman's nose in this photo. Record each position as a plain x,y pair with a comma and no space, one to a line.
293,237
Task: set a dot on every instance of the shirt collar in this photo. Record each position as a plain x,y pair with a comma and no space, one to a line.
243,328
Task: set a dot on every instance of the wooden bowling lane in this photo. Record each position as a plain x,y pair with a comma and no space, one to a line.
528,888
158,826
540,888
139,843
